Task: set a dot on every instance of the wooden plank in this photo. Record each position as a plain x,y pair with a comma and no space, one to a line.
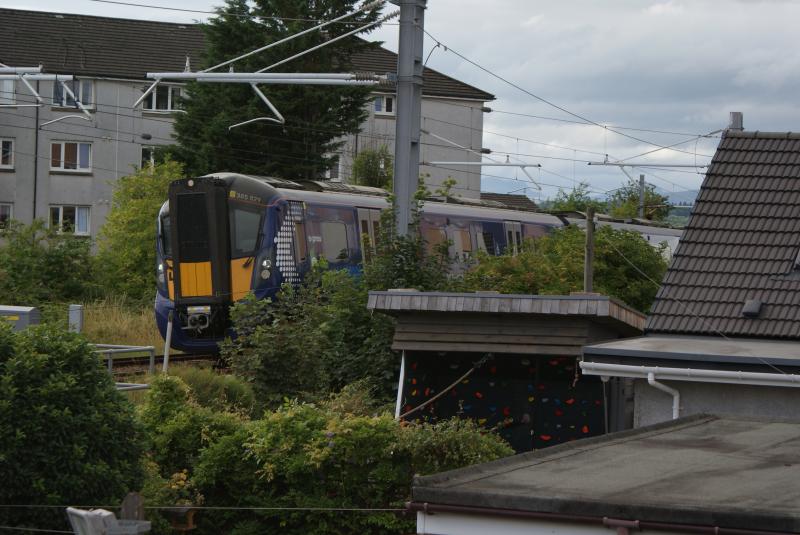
559,351
421,332
494,339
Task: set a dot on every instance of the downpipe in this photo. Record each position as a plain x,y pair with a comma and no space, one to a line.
676,396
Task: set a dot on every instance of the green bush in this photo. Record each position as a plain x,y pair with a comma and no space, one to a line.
66,435
312,340
217,391
39,265
308,456
177,427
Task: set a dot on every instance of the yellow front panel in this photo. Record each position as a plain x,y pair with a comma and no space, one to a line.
241,275
195,279
170,281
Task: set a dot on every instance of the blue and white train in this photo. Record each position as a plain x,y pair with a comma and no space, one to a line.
225,235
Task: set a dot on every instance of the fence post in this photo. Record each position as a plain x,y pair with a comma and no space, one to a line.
152,368
75,318
110,361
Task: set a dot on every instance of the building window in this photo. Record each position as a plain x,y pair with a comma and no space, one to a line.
82,89
70,156
384,105
148,157
163,98
7,94
72,219
6,213
6,154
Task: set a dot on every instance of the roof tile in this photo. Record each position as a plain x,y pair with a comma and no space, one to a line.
741,243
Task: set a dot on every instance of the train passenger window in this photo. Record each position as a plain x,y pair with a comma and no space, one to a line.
434,236
166,236
300,246
245,226
488,241
334,241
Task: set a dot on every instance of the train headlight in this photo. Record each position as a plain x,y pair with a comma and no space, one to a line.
265,273
266,264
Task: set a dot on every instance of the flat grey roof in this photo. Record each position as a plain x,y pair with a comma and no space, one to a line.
701,348
702,470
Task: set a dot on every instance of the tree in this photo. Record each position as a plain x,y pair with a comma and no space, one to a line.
66,435
126,257
40,265
374,168
553,265
317,117
624,202
577,200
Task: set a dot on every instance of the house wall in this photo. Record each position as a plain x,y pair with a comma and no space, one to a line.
115,134
459,524
652,406
379,129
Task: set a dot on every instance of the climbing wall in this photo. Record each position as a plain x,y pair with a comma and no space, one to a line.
533,402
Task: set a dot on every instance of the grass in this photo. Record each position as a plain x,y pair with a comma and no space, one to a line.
115,321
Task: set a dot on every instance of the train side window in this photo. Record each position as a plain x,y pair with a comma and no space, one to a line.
300,246
334,241
166,236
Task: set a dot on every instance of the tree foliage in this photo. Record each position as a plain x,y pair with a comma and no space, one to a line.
40,265
577,200
624,202
66,435
126,257
374,167
317,117
553,264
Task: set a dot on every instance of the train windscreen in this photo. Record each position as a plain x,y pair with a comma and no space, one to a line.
193,240
244,225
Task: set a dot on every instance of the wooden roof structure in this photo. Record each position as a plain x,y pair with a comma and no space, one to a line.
502,323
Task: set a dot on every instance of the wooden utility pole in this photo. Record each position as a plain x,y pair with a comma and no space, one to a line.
588,267
409,108
641,196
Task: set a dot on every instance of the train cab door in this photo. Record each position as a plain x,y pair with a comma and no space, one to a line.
369,228
513,234
198,213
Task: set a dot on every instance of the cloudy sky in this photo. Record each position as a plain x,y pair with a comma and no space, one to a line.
676,66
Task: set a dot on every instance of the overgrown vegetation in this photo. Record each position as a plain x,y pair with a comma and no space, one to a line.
553,264
126,256
40,265
374,167
66,435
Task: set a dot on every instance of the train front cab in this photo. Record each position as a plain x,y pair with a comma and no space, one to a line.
211,244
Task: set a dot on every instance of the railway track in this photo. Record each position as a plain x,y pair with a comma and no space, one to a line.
126,363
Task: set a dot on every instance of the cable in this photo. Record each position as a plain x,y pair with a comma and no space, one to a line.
151,6
544,100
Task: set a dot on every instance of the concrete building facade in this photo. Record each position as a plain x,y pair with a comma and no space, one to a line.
60,166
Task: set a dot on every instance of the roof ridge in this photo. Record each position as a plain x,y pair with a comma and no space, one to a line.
757,134
103,17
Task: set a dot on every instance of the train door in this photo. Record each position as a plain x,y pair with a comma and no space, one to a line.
513,234
369,228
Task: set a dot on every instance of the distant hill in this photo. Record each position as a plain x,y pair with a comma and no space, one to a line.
680,198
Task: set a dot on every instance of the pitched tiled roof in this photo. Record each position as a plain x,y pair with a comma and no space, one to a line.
513,201
124,48
742,242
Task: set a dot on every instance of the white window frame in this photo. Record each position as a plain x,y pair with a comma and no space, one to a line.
8,98
10,207
65,96
77,207
61,168
4,140
383,100
150,102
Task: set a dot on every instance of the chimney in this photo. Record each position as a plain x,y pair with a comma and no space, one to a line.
737,121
